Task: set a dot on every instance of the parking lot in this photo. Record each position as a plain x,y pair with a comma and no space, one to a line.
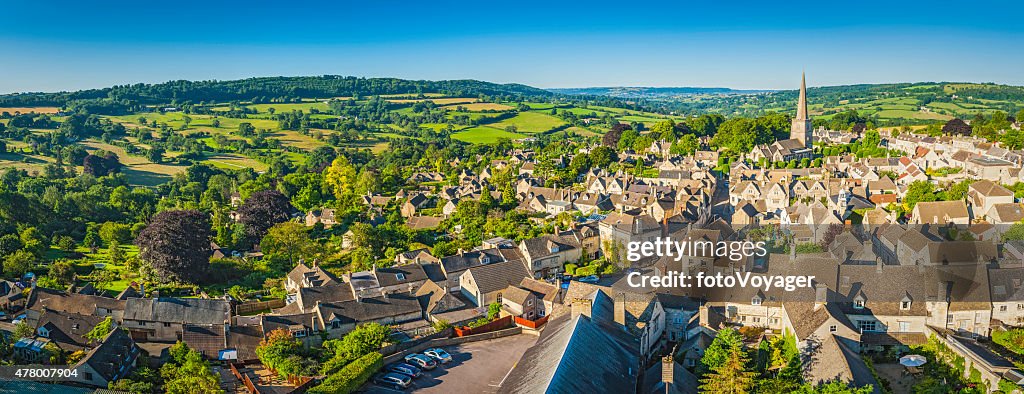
476,367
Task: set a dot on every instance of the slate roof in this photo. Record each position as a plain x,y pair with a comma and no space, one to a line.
67,330
546,291
207,339
106,359
516,294
75,303
462,261
835,360
397,275
178,310
1007,284
496,276
367,309
563,359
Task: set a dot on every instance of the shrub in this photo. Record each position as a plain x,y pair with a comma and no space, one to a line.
587,271
352,376
1012,340
570,268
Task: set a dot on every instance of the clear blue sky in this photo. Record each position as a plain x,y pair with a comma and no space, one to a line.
738,44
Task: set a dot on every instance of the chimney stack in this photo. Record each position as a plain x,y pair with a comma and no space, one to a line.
620,309
704,315
581,306
820,295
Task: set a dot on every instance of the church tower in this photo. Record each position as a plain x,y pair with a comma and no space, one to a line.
802,129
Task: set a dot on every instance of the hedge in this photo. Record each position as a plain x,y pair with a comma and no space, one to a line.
352,376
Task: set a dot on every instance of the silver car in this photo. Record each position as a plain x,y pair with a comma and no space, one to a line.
395,380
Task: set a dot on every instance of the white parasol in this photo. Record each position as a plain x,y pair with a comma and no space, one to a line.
913,360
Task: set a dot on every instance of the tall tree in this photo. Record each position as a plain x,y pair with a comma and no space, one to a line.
732,376
291,240
956,127
261,211
177,244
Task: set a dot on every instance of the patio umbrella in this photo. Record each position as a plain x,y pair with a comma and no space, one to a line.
913,360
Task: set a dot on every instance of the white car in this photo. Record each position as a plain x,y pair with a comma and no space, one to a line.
439,354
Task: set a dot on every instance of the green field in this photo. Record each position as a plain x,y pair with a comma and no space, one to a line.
484,135
530,122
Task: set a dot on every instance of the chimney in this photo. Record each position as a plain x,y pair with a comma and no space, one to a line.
878,264
581,306
703,315
820,295
943,292
620,309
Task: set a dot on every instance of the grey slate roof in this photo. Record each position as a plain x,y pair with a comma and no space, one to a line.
368,309
496,276
178,310
578,354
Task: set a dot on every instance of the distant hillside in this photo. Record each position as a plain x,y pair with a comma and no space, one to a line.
270,89
650,92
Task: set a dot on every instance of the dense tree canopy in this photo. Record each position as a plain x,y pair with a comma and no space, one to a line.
262,210
177,244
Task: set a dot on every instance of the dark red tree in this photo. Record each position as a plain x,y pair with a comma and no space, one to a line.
611,138
956,126
261,211
177,244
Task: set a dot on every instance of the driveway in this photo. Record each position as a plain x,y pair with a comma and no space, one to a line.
476,367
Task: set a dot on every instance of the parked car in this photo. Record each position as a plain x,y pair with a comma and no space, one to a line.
392,379
404,369
439,354
421,361
589,279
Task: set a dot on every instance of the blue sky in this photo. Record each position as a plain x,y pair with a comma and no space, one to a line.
739,44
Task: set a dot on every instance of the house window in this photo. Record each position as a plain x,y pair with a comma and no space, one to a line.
1002,308
904,305
142,323
755,301
833,328
949,319
167,324
904,326
867,325
858,303
498,299
756,319
88,376
529,302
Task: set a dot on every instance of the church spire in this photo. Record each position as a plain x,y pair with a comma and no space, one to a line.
801,105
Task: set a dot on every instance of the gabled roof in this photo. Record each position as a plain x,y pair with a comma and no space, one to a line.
368,309
178,310
546,291
496,276
75,303
516,294
117,349
67,330
563,360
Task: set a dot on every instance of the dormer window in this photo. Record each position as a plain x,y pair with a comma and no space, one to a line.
485,259
904,304
755,301
400,276
858,303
